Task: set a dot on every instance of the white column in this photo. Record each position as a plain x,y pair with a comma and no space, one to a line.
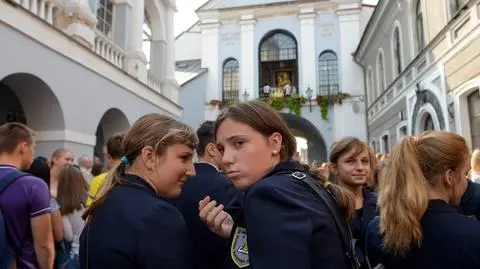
158,50
137,62
170,85
307,54
247,70
210,59
350,116
170,57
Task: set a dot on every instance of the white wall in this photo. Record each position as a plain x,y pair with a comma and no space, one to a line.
184,50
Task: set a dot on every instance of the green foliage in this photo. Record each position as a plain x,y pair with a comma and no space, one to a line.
293,103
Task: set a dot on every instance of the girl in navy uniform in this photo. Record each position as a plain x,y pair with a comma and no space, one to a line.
419,224
129,225
351,164
284,223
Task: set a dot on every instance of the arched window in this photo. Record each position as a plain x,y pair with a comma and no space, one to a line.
105,17
386,144
147,38
420,36
380,73
397,51
230,81
474,115
370,87
428,124
328,71
278,63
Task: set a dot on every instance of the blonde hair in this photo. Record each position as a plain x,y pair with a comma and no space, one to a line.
475,161
414,167
57,154
155,130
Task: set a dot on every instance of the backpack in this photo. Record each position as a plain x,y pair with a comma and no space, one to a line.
7,254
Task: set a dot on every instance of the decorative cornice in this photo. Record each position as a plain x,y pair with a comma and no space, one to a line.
128,2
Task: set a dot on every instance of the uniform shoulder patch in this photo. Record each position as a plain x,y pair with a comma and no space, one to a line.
239,248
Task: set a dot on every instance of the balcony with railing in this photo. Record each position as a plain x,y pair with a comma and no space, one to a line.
100,45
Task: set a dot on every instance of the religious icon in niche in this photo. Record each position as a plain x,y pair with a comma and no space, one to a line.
284,82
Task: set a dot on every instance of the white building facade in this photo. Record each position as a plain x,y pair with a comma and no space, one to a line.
78,71
240,46
422,72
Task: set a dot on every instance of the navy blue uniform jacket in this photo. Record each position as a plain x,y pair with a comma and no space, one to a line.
369,212
285,226
135,229
470,204
209,250
450,240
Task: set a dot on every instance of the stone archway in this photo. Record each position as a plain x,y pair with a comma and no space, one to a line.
28,99
427,102
113,121
301,127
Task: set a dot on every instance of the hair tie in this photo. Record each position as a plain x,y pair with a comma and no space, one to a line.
125,160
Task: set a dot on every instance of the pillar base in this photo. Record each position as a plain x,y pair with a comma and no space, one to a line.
137,65
170,89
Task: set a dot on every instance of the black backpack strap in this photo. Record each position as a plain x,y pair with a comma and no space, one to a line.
344,230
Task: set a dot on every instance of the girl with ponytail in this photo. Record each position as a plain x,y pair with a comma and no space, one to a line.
129,224
419,224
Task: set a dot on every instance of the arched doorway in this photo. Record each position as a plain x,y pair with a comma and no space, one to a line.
427,123
278,56
315,148
11,109
112,122
28,99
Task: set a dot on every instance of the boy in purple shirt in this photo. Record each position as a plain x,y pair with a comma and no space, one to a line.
26,202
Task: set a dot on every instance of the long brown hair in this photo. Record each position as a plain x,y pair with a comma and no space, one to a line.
72,190
415,166
263,119
155,130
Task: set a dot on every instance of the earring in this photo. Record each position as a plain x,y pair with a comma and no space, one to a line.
274,152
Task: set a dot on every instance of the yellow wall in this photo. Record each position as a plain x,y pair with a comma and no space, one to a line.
464,65
436,17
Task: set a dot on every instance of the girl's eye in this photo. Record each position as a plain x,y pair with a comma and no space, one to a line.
239,143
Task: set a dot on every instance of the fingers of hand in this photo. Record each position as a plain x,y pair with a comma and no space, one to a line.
203,202
212,215
219,220
205,211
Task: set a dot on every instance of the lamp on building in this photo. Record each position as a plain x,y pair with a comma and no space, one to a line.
245,96
309,93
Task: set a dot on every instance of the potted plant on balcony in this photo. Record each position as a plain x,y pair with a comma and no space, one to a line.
325,101
278,101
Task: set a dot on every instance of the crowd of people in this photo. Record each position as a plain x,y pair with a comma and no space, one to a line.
247,203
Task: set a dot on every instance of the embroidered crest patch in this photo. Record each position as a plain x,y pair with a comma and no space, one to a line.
239,248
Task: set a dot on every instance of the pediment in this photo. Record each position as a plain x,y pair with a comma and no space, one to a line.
220,4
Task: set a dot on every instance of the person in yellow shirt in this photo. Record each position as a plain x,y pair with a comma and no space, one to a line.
113,153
